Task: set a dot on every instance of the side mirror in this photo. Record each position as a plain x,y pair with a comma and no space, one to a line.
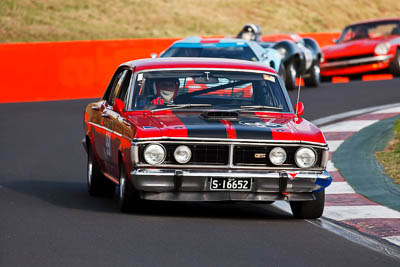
118,106
299,107
153,55
335,41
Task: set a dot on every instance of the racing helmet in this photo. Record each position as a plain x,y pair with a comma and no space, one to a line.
250,32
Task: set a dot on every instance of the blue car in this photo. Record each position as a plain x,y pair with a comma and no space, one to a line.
226,48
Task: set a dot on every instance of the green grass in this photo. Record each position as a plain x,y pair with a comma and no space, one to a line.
59,20
390,157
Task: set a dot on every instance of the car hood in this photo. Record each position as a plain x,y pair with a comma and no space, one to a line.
254,126
351,48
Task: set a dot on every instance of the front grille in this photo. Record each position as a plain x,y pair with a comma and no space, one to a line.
256,155
243,155
201,154
336,59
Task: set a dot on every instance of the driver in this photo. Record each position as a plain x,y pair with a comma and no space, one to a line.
167,89
250,32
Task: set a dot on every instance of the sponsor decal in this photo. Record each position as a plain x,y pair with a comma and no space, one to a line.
269,78
107,147
260,124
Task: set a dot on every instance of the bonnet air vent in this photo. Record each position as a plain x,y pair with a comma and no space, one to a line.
220,115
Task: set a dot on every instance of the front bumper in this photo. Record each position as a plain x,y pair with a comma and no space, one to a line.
194,185
355,66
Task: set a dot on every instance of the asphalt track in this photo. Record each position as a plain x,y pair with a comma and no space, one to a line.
48,219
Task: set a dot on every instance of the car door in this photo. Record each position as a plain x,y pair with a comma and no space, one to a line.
111,121
97,116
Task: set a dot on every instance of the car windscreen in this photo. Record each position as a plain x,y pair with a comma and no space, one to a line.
370,30
208,88
234,52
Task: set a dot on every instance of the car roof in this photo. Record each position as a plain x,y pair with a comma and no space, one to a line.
196,62
374,21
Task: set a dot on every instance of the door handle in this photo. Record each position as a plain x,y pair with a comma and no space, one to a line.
95,108
126,122
105,115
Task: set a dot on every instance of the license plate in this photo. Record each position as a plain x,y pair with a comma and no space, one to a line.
231,184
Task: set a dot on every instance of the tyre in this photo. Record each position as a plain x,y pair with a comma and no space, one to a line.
311,209
394,66
98,184
282,72
128,197
315,77
291,74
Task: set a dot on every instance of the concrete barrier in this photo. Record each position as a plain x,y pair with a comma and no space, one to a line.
77,69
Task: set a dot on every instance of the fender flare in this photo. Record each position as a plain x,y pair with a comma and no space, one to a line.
311,44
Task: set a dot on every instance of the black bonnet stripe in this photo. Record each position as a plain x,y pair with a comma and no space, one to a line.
198,127
252,128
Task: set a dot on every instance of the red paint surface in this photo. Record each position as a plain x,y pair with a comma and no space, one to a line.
355,69
376,77
338,79
230,129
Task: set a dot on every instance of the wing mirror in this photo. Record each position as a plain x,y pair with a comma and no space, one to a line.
335,41
153,55
118,106
299,107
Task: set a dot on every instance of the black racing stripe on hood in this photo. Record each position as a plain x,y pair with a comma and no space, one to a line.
196,126
252,128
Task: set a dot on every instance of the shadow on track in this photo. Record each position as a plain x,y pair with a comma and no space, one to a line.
73,195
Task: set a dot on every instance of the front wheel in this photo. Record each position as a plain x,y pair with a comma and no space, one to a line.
128,197
315,76
310,209
394,67
291,74
98,184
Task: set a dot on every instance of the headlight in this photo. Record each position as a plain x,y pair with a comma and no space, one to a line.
305,157
382,49
182,154
154,154
277,156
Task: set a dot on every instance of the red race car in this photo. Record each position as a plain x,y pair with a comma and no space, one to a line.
364,47
201,129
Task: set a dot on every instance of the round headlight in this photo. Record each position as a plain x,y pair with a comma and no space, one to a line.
277,156
154,154
382,49
305,157
182,154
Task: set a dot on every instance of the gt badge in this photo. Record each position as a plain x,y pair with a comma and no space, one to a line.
259,155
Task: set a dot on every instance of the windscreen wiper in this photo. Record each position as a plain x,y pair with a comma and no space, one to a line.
259,107
176,106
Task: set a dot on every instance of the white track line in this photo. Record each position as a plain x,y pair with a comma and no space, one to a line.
393,239
341,213
348,126
339,188
389,110
330,167
334,144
